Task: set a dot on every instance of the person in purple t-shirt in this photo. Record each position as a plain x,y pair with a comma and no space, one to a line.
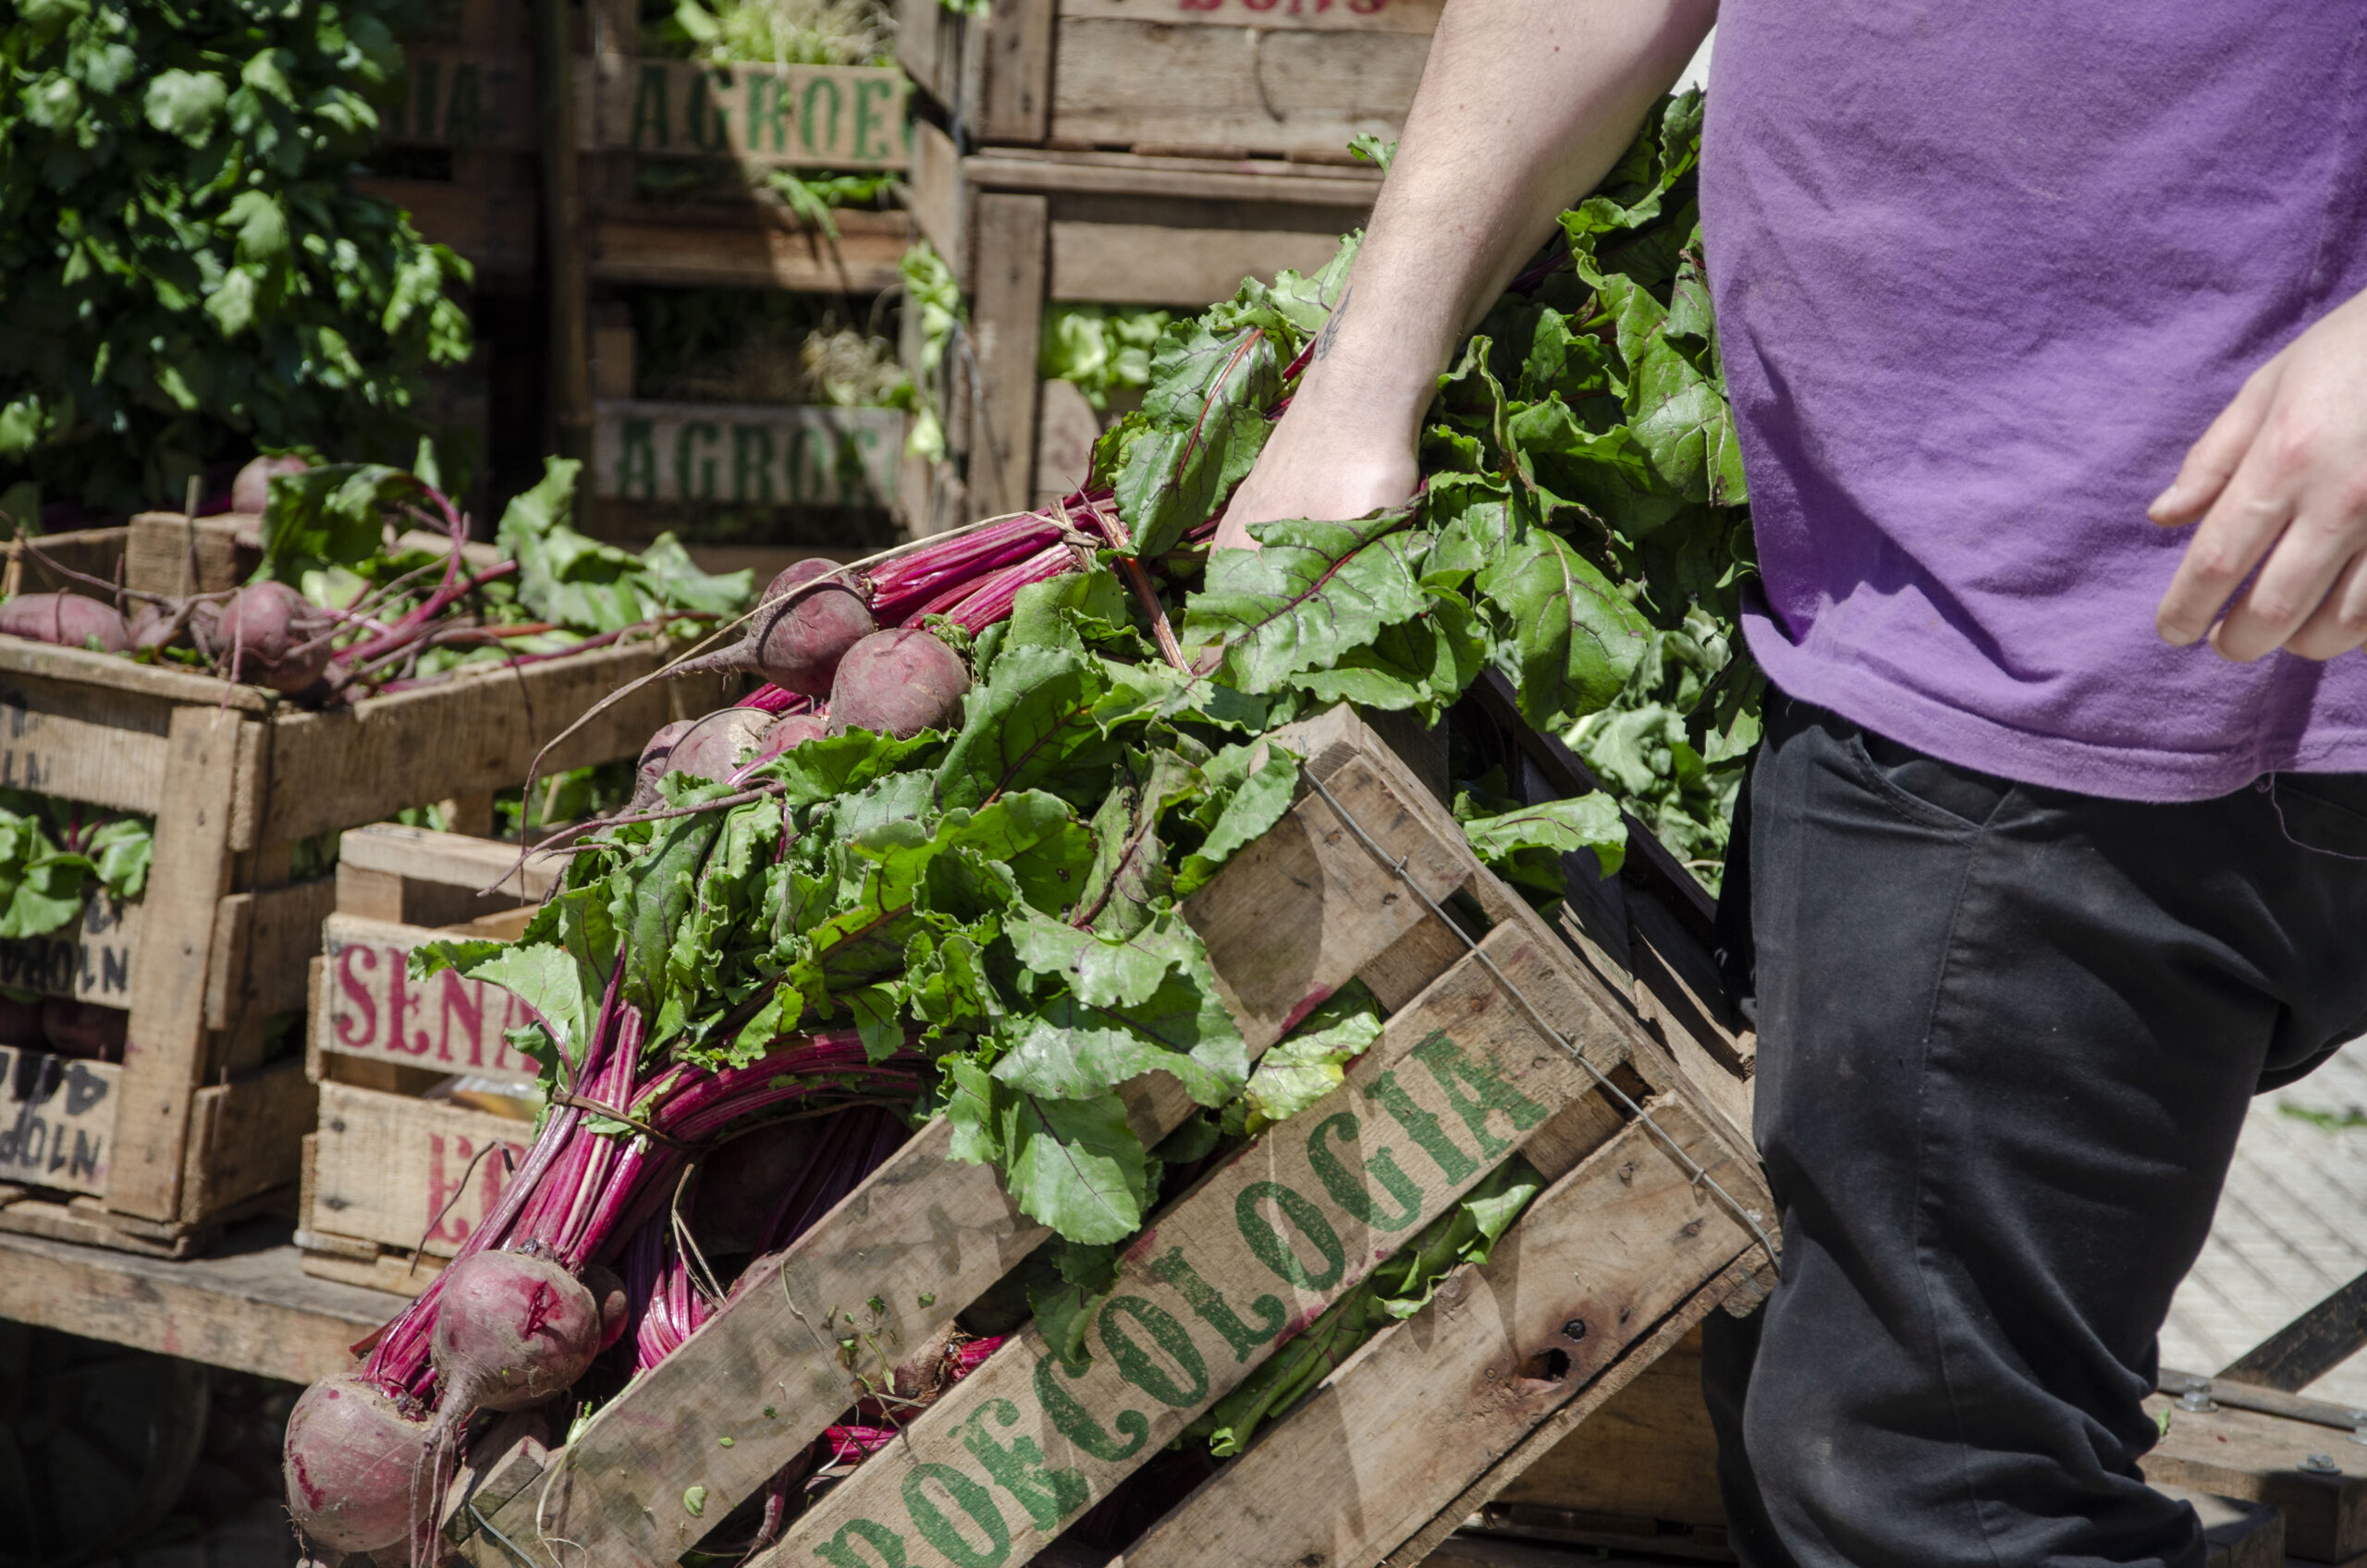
2046,331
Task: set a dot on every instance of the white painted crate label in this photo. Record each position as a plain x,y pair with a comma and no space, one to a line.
57,1119
444,1023
747,453
89,959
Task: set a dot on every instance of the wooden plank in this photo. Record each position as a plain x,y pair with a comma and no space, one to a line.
456,860
1154,264
57,1118
1312,905
477,731
464,99
1350,190
161,548
1482,1079
2257,1458
746,453
1418,17
75,683
1006,319
395,1271
103,763
1134,82
94,552
1016,104
245,1137
282,937
630,244
1601,1257
2311,1346
88,959
165,1058
250,1308
370,1008
1641,1470
2236,1535
933,194
819,117
385,1164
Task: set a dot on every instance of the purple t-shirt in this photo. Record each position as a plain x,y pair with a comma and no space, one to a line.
1983,272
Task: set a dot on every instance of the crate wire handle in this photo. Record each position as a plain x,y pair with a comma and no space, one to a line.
1693,1168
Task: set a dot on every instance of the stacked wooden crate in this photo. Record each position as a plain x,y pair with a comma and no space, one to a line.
201,1121
1503,1035
424,1105
1125,151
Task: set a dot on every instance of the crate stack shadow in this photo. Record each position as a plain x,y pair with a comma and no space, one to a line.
1624,1250
1119,153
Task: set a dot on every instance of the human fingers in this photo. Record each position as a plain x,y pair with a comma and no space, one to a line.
2214,457
2300,569
2251,510
2340,623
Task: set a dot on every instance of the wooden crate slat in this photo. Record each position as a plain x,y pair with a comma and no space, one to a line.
57,1118
243,1139
631,243
384,1165
465,99
2255,1457
479,731
165,1059
455,859
106,766
1128,264
1202,1298
1419,17
1130,82
1600,1260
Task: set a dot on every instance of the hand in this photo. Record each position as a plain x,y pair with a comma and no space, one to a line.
1322,466
2281,475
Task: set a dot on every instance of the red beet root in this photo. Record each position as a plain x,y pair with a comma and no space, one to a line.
67,619
786,734
897,683
511,1331
796,644
653,758
352,1462
251,492
716,747
616,1308
277,633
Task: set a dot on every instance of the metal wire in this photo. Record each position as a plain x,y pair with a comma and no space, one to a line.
1700,1177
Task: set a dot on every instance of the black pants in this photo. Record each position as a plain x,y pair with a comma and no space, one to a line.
2006,1040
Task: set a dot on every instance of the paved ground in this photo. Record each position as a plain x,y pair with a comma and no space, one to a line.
2292,1227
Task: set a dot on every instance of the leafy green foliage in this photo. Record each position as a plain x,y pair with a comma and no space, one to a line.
1099,349
53,852
576,581
184,267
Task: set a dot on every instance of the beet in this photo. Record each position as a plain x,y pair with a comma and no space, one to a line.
67,619
712,748
277,636
796,645
898,683
510,1330
154,626
251,492
654,753
787,733
352,1460
83,1029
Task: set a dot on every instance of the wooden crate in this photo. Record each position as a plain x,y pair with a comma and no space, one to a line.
195,1126
1295,78
395,1177
1296,917
1022,227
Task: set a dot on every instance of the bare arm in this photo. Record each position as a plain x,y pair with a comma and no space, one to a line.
1525,105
